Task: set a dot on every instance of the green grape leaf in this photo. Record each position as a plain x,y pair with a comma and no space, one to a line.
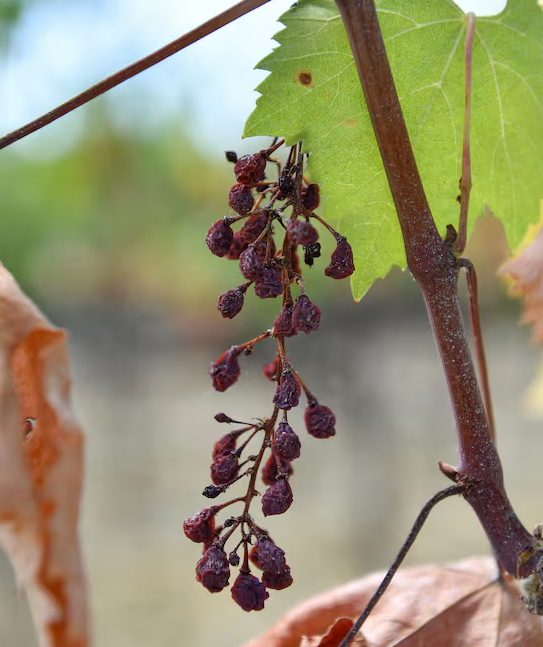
313,94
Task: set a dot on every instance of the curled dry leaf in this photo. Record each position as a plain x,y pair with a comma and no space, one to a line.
41,468
461,604
526,271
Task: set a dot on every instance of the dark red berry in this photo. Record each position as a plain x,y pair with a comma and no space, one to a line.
278,581
269,284
253,556
213,570
230,303
285,442
306,316
231,156
249,169
285,185
224,446
311,253
341,263
222,417
251,262
254,226
320,420
238,245
249,592
233,559
283,322
270,558
311,196
200,527
212,491
224,469
270,370
277,498
219,238
287,394
302,232
225,371
269,471
240,199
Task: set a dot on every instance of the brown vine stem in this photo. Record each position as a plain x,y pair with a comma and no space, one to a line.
413,534
218,21
433,264
465,179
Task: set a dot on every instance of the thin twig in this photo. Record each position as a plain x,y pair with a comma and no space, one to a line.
215,23
423,515
465,180
473,296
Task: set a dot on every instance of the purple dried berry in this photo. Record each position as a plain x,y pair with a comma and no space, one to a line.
224,469
222,417
287,394
238,245
225,371
278,581
341,263
320,420
249,592
270,558
200,527
219,238
251,263
311,196
306,316
269,471
233,559
240,199
277,498
249,169
283,323
231,302
302,232
285,442
269,284
254,226
213,570
270,370
224,446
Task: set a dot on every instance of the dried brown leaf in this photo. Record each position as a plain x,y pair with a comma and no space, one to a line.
41,468
461,605
526,271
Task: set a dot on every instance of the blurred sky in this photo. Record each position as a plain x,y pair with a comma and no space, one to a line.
63,46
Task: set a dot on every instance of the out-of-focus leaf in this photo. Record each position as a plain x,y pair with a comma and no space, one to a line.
41,467
462,604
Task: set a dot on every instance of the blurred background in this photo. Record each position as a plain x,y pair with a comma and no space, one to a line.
104,217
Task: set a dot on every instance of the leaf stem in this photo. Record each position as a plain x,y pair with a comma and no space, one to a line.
465,179
433,264
193,36
413,533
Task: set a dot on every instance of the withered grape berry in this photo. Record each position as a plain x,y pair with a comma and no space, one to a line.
200,527
213,570
285,442
249,592
269,284
254,226
277,499
320,420
238,245
231,302
283,322
224,469
231,156
278,581
341,263
222,417
302,232
212,491
233,558
269,471
225,371
285,185
219,238
269,557
311,253
306,316
240,199
249,169
224,446
270,370
311,196
251,263
287,394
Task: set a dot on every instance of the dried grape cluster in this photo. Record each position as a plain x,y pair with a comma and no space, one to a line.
261,206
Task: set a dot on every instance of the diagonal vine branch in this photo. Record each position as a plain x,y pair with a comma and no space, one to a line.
193,36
